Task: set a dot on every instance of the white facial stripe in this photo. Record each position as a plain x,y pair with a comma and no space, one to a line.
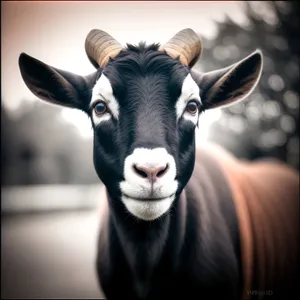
103,91
148,210
189,91
136,187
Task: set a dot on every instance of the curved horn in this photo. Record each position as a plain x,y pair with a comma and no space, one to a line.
186,45
100,46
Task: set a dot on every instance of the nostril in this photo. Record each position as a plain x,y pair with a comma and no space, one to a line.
140,172
152,173
162,171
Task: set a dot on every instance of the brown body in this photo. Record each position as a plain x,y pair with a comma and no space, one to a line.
266,196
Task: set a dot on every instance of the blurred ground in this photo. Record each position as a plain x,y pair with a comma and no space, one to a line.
45,198
49,255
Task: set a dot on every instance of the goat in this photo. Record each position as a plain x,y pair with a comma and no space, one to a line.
177,222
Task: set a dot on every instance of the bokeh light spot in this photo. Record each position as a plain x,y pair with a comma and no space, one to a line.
287,123
276,82
271,109
291,99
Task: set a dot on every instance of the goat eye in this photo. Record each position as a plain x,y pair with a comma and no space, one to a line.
192,107
100,108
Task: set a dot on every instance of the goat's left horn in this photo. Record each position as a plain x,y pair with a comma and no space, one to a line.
100,46
186,45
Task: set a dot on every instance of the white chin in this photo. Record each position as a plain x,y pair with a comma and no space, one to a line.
148,210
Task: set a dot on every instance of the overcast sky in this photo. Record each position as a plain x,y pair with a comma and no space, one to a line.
54,32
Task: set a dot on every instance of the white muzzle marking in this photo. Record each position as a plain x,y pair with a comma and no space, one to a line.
137,190
148,210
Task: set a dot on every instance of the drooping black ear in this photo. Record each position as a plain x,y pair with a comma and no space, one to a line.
56,86
234,83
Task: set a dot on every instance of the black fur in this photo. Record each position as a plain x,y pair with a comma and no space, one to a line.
191,249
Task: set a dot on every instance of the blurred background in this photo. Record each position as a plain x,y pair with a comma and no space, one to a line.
50,192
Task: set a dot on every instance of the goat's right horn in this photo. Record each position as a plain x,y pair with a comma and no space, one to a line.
186,45
100,46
